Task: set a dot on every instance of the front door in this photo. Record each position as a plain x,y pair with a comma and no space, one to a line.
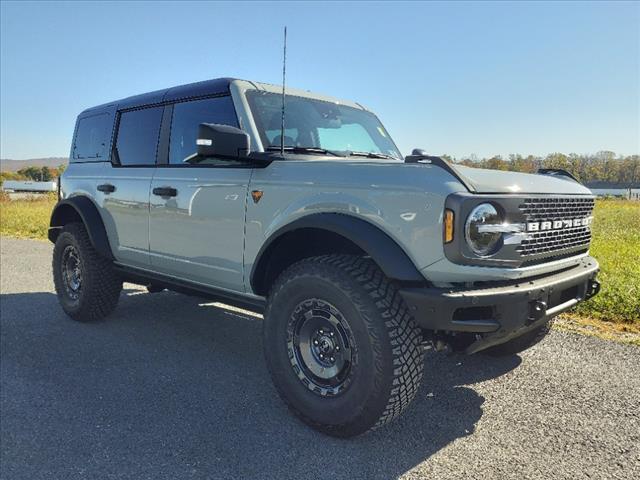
197,205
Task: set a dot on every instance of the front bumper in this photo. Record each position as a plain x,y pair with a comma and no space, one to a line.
496,314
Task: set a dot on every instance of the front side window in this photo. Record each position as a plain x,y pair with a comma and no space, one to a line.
187,116
312,123
138,132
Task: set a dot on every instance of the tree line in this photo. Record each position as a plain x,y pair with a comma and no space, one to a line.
36,174
602,168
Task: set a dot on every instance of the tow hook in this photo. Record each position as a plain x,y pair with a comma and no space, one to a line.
537,310
593,288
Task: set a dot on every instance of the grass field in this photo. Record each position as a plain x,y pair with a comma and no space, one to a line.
26,218
616,245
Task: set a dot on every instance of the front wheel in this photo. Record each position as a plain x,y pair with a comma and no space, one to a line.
342,349
88,288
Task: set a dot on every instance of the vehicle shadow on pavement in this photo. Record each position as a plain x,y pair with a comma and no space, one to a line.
171,387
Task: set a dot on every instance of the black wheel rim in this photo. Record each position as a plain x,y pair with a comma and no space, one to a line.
321,347
71,272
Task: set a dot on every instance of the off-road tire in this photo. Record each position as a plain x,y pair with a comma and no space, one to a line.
521,343
390,357
101,286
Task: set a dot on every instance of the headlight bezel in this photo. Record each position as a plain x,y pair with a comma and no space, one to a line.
458,251
484,244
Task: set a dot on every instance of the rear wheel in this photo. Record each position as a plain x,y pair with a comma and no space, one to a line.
521,343
87,285
341,346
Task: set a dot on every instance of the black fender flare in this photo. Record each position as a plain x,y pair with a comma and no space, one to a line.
388,255
83,207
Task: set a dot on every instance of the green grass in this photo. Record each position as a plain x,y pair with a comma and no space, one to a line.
26,218
616,245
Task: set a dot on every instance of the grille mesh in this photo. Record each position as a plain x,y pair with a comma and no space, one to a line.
554,242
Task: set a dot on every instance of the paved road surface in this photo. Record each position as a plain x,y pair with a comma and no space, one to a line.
169,387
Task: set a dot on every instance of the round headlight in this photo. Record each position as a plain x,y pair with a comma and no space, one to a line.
482,242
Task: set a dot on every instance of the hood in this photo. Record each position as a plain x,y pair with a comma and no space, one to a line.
498,181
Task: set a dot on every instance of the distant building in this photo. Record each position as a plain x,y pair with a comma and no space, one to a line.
28,186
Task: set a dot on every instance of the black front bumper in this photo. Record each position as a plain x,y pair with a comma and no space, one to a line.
496,314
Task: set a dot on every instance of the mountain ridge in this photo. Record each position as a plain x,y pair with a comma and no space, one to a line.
9,165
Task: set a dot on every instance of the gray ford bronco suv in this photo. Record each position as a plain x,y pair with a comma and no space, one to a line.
357,257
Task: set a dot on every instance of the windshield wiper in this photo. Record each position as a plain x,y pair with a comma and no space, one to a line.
313,150
371,155
324,151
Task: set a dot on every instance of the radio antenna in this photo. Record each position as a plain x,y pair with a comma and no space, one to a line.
284,73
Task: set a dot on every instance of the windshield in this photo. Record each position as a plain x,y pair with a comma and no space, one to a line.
319,124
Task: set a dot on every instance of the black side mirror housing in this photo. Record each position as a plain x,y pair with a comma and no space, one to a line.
223,141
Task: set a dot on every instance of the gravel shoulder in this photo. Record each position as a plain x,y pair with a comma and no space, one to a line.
172,387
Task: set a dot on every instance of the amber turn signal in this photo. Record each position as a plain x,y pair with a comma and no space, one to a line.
448,226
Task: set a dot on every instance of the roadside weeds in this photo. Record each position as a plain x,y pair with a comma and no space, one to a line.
616,332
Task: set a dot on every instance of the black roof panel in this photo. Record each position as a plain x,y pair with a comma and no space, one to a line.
199,89
142,99
190,90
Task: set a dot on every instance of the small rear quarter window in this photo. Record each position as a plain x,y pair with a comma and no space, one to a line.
92,137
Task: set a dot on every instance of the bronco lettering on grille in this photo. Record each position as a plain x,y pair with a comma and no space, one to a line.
559,224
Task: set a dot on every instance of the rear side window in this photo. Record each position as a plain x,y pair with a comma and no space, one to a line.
186,118
137,140
92,137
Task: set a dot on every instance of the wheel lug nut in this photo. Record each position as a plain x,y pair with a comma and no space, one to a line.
321,331
321,355
332,359
337,348
315,342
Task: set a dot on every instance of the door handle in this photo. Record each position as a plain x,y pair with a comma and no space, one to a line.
165,191
106,188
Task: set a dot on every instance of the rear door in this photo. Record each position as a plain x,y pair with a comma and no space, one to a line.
198,205
124,189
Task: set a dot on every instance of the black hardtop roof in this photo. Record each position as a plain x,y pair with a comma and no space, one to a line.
190,90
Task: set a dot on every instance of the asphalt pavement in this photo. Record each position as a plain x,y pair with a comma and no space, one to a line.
173,387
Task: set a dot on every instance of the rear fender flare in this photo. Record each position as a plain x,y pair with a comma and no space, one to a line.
81,206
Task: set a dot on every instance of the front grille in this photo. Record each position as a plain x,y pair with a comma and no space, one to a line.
552,243
537,209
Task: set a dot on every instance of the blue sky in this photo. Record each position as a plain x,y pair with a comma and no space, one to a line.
457,78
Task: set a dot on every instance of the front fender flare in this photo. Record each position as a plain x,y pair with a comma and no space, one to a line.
389,256
83,207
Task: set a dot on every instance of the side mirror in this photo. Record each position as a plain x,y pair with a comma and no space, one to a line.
222,141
